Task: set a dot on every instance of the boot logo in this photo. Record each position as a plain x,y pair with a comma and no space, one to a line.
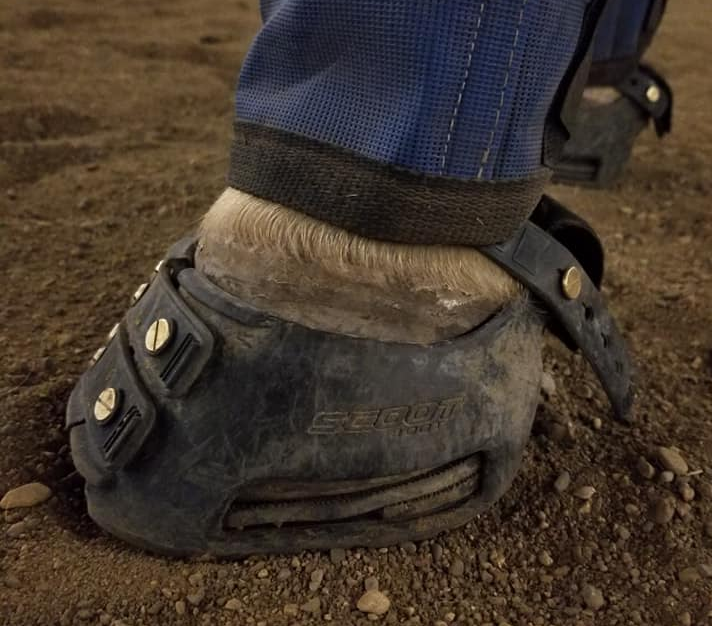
406,419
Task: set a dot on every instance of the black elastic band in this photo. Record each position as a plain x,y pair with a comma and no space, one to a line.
376,200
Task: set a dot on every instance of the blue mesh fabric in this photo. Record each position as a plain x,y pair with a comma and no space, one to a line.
459,88
619,29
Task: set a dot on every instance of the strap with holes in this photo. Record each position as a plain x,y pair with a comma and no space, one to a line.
576,306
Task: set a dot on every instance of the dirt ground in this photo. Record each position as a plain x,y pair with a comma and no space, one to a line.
114,128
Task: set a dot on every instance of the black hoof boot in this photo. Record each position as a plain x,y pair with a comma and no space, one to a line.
604,133
206,426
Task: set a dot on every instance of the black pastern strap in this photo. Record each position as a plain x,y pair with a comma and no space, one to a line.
540,262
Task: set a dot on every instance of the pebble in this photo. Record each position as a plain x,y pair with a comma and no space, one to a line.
263,573
373,602
705,490
687,493
13,582
371,583
592,597
27,495
284,573
585,493
672,460
457,568
705,570
337,555
689,575
545,558
409,547
562,482
666,477
196,579
17,529
312,606
233,604
663,510
548,385
290,609
315,580
196,598
645,469
180,607
685,619
437,552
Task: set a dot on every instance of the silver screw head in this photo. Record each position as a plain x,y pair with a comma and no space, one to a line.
139,292
106,404
653,93
158,335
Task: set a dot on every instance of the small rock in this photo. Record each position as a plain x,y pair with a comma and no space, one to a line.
284,573
548,385
705,490
27,495
373,602
449,617
545,558
645,469
457,568
371,583
623,533
672,460
13,582
663,510
290,609
196,598
689,575
17,529
263,573
687,493
180,607
337,555
437,552
233,604
562,482
409,547
666,477
585,493
592,597
312,606
683,509
196,579
685,619
315,580
705,570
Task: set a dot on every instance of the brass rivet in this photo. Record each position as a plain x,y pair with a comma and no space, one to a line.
571,283
106,404
139,292
158,335
653,93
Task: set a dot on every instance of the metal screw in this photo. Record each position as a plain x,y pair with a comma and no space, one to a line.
571,283
97,355
653,93
139,292
158,335
106,404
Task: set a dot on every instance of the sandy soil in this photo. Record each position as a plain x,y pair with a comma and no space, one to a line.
114,128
